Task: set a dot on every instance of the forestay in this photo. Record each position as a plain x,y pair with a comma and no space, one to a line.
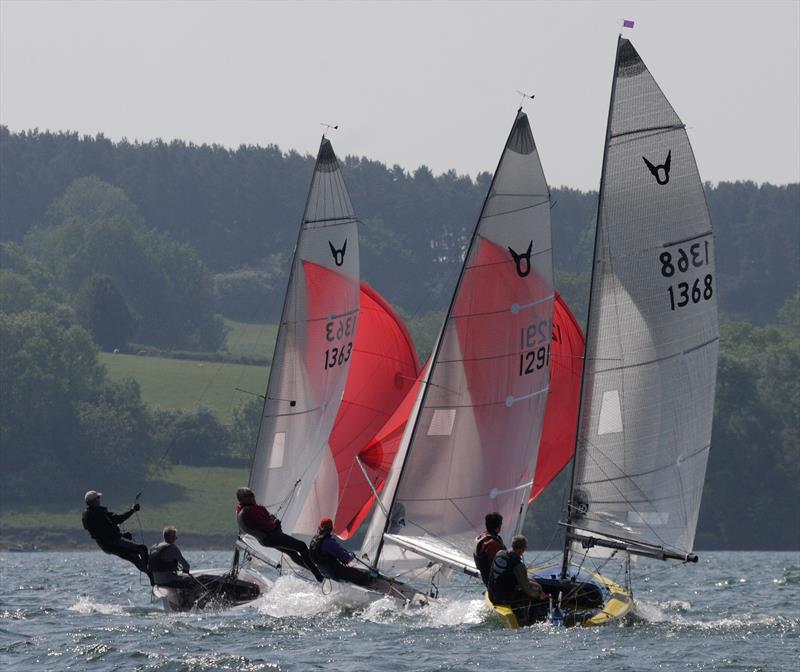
293,471
471,444
652,341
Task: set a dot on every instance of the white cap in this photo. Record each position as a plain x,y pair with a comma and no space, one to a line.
91,496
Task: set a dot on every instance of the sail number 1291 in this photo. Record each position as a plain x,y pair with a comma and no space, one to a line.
536,358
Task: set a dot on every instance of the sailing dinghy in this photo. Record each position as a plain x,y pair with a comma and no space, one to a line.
343,361
652,343
470,444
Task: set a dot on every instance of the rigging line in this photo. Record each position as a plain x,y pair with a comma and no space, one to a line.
649,471
371,487
624,498
463,515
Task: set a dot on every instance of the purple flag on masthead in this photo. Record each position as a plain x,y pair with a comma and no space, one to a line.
627,23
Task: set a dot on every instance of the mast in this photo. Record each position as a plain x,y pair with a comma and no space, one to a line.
565,560
283,311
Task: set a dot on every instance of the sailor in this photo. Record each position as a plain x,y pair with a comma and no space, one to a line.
254,519
509,584
166,559
332,559
487,544
103,526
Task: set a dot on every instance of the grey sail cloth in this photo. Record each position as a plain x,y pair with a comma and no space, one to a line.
653,337
293,473
476,432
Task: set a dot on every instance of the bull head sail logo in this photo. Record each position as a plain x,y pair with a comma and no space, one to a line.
662,170
522,268
338,255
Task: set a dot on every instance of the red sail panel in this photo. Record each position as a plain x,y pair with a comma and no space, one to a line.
383,368
331,327
561,417
380,452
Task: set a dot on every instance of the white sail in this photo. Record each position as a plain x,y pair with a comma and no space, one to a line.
652,338
471,443
311,359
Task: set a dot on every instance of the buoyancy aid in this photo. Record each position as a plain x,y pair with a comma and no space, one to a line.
158,561
502,582
318,554
482,560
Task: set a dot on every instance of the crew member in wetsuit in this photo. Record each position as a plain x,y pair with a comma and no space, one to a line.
254,519
103,526
165,561
332,559
509,584
488,544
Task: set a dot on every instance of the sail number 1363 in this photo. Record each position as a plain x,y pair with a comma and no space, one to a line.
338,331
701,288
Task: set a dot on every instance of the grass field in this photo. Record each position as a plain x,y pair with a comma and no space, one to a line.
183,384
195,499
250,340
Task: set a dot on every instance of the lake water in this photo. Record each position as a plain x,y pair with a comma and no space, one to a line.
89,611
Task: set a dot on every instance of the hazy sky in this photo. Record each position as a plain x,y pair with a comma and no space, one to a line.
409,83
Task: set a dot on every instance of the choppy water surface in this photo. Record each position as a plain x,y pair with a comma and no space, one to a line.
88,611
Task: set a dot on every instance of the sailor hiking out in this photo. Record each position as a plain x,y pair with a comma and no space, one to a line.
333,559
255,520
103,526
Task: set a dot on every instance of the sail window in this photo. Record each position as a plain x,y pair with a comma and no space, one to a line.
276,454
610,414
649,518
442,422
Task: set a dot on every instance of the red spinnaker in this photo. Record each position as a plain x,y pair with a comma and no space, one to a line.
561,417
383,368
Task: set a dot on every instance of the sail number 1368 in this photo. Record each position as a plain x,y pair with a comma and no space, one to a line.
688,291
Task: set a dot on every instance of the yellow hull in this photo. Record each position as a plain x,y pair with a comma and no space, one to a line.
617,605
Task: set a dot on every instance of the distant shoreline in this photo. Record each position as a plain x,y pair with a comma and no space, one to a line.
26,540
33,540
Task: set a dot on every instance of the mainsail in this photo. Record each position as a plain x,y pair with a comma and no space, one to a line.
293,471
471,443
652,337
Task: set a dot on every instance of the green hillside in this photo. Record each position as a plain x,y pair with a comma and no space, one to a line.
199,500
182,384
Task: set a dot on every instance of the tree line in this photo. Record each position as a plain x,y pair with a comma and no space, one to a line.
239,209
116,245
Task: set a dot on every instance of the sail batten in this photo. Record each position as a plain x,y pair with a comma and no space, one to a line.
652,338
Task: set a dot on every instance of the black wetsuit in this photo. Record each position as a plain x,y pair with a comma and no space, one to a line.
103,526
165,560
509,585
332,560
252,519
